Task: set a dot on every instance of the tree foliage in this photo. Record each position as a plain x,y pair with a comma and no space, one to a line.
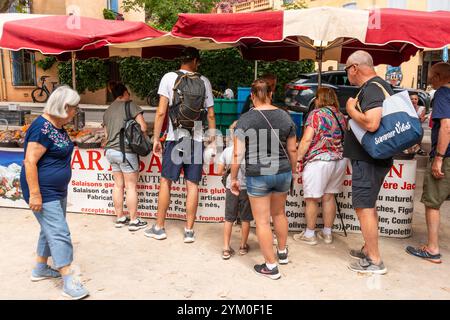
91,74
5,5
164,14
108,14
20,5
227,69
143,75
224,68
296,4
46,63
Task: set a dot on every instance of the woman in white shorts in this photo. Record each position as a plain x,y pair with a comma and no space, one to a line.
320,153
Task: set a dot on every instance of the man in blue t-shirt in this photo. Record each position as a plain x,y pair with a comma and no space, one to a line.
436,185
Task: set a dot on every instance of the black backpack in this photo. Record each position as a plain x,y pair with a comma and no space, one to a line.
132,136
189,94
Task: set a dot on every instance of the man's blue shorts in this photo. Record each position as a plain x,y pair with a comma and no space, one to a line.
186,154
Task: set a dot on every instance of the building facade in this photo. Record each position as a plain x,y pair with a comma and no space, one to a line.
19,74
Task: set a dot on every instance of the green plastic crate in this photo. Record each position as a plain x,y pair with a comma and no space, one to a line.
222,129
226,119
226,106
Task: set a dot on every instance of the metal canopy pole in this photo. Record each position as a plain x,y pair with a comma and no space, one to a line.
319,58
74,86
74,78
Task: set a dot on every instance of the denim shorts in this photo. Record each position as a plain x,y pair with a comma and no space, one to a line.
115,158
261,186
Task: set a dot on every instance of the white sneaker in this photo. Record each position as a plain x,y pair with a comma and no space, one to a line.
189,236
327,238
312,241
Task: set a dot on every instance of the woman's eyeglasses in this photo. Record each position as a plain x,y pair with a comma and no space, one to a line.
77,109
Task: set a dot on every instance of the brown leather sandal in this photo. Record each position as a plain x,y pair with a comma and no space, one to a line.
227,253
244,250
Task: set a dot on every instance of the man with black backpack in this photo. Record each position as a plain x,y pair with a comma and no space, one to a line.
186,98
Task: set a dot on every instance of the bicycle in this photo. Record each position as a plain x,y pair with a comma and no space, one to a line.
153,98
41,94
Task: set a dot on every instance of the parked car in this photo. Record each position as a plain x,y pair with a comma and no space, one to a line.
300,93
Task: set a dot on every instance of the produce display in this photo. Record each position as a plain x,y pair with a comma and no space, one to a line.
86,138
11,138
10,182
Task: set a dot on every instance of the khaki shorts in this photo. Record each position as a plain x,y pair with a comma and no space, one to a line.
436,191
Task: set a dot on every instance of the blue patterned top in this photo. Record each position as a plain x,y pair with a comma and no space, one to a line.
54,168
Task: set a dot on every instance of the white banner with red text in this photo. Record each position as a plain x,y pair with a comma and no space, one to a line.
90,192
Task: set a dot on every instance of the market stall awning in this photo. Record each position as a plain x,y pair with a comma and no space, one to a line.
56,34
391,35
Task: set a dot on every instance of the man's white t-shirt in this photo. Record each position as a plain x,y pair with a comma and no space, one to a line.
166,89
225,159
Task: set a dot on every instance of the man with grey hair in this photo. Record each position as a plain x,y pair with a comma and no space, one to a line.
367,173
436,183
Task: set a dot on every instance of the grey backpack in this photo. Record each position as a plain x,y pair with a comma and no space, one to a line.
188,105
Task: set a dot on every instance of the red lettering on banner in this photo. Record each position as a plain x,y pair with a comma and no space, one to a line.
398,171
154,161
211,170
78,159
110,167
94,160
349,170
390,185
408,186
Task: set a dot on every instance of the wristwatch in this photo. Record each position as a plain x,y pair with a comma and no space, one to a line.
439,155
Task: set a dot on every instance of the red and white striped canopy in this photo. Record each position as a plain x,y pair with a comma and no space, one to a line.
55,34
391,35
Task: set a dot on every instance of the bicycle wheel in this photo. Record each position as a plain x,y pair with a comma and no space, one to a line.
152,100
39,95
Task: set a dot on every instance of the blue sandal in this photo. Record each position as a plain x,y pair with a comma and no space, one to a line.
424,254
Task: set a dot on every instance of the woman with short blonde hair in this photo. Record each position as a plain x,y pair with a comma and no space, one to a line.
46,173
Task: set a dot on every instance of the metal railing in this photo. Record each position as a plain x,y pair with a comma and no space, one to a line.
255,5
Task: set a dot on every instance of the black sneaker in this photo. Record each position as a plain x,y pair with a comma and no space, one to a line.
262,269
137,225
122,222
283,257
